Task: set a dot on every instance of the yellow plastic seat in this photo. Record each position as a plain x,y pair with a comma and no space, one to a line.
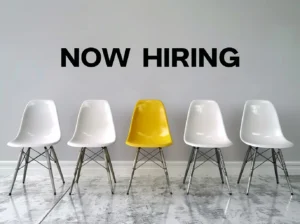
149,129
149,125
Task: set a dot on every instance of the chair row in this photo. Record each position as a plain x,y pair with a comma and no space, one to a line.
204,132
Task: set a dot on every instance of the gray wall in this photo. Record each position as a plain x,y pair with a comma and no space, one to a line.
266,34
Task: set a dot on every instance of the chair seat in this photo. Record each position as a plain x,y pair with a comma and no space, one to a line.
276,142
39,126
260,126
149,126
151,143
95,126
209,142
26,143
90,142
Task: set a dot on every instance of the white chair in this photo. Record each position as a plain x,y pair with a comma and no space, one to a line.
94,129
39,128
205,129
260,128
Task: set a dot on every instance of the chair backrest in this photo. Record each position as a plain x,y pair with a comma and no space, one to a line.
204,119
259,119
149,119
95,119
40,119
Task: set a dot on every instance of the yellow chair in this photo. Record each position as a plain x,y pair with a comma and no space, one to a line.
149,129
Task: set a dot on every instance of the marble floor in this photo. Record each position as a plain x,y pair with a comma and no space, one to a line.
149,200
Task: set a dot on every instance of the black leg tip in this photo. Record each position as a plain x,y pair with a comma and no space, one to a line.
54,193
230,193
64,182
292,193
222,182
238,182
112,192
187,193
127,193
9,194
247,194
70,193
171,193
23,182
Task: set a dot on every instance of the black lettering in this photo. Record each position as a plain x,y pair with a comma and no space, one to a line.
167,57
194,57
212,60
84,59
234,60
66,54
182,58
116,51
148,57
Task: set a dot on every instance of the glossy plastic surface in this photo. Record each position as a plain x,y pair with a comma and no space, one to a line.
39,126
149,125
204,126
260,126
95,126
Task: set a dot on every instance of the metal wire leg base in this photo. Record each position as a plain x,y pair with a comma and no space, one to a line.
16,171
253,153
281,160
193,169
111,166
26,165
188,166
222,164
163,161
107,167
50,170
218,162
133,168
246,159
81,161
57,164
275,165
26,158
150,156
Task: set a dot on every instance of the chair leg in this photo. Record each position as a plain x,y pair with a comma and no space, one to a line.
244,164
165,168
76,168
275,165
50,170
219,165
252,169
16,171
26,164
224,170
188,165
57,164
80,165
133,168
108,170
285,171
193,169
110,165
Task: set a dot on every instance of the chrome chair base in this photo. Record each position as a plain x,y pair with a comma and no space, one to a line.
251,155
150,156
82,162
218,162
25,156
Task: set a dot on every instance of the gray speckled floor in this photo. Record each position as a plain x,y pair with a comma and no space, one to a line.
149,201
